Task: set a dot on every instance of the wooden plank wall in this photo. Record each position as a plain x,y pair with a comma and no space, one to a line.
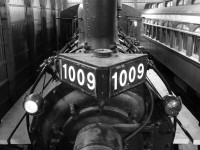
29,33
4,50
18,22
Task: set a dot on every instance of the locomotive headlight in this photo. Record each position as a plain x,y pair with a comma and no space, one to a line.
33,104
172,105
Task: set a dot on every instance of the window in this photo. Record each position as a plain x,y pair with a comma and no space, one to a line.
151,21
179,26
146,6
170,24
160,5
196,2
197,30
165,24
182,27
160,22
182,38
169,4
155,22
181,2
153,6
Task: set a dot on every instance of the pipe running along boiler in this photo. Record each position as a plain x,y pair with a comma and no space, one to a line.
100,97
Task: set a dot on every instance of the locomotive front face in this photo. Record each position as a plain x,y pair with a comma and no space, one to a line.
101,99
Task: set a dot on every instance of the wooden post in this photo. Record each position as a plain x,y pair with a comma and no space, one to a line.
189,45
31,38
180,40
172,39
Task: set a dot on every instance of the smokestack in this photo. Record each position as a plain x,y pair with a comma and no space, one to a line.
100,21
81,24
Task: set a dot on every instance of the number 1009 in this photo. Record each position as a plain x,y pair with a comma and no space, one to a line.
126,76
79,76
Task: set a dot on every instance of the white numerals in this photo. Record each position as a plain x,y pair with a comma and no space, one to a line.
79,77
65,71
120,78
123,78
91,80
140,71
115,80
128,76
132,74
72,74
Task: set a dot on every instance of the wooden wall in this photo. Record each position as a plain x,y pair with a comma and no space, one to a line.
29,33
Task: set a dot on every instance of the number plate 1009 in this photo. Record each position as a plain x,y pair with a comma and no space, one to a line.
103,82
78,76
126,76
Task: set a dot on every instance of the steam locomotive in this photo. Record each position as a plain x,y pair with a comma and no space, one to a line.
100,96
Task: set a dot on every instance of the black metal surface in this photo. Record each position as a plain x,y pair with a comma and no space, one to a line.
98,114
98,136
100,23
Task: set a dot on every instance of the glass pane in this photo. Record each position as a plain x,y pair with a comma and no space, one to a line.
197,30
185,27
180,2
165,24
179,26
196,2
170,24
153,6
185,2
160,5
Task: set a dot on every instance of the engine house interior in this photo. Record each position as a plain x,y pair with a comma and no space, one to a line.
101,88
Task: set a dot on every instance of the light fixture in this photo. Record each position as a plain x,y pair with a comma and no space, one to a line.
172,105
33,104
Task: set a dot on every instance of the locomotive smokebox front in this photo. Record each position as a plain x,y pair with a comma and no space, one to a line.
100,21
98,102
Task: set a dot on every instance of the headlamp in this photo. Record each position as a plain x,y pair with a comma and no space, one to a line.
33,104
172,105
